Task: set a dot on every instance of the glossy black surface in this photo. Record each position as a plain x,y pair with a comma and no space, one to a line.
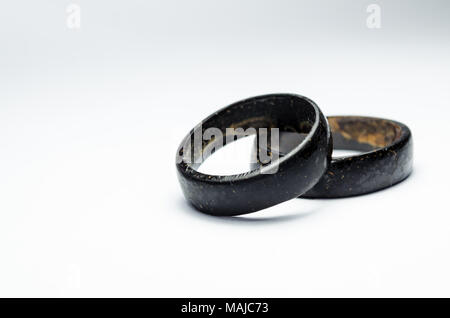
298,171
386,158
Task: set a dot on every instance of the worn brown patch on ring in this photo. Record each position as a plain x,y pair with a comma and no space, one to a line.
373,131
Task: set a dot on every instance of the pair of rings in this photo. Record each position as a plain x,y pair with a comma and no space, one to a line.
298,162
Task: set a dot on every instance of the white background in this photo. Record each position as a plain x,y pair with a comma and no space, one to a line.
90,120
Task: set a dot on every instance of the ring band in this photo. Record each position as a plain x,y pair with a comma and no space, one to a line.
386,159
296,172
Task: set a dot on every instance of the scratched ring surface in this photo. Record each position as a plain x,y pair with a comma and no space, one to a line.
298,171
386,158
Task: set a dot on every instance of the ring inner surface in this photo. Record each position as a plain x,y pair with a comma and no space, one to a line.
286,113
351,133
362,133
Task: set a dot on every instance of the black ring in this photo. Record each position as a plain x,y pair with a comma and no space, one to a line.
386,159
298,171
